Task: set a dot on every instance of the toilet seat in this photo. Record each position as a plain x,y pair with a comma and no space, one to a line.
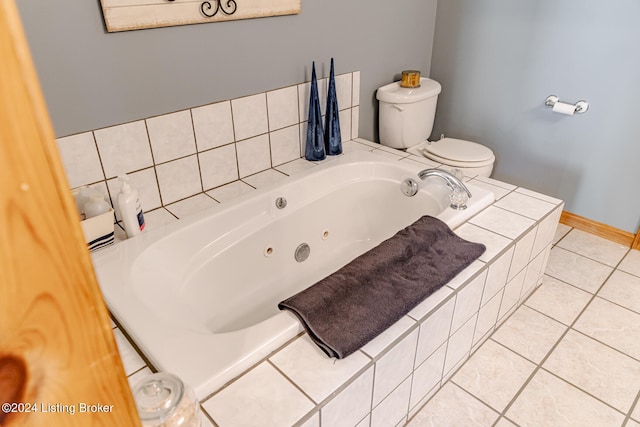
457,152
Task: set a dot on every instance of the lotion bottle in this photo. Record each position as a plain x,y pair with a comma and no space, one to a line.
130,208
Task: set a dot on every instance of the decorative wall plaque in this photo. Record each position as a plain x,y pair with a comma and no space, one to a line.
123,15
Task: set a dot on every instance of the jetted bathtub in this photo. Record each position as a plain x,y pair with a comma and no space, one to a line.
199,296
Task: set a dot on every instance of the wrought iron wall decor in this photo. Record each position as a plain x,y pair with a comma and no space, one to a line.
123,15
228,8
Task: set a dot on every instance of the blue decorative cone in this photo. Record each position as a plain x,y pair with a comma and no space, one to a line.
332,138
314,149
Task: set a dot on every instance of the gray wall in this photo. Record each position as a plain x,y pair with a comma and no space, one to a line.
92,79
499,59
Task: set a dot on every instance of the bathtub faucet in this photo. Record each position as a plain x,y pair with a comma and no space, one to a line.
452,181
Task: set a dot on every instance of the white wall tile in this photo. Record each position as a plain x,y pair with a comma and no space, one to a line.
546,231
295,166
249,116
343,90
157,218
351,404
487,317
394,407
282,105
427,376
192,205
494,242
260,398
253,155
138,376
430,303
179,179
265,178
131,360
304,92
285,145
533,276
345,125
171,136
511,294
525,205
522,253
459,345
313,371
80,159
124,148
356,88
213,125
394,367
230,191
497,277
503,222
380,343
468,301
218,166
434,331
146,185
355,122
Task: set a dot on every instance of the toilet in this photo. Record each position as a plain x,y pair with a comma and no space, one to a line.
406,117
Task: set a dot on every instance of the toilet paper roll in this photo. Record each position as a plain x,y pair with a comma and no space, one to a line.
564,108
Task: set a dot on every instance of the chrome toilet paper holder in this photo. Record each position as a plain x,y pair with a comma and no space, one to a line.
580,106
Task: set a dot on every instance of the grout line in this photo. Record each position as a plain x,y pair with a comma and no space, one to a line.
551,350
633,407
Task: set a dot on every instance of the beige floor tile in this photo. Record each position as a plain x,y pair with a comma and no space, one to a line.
529,333
577,270
561,231
631,263
453,407
632,423
597,369
559,300
613,325
636,412
624,289
503,422
549,401
494,374
594,247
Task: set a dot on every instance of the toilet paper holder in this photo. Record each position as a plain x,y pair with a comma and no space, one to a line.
580,106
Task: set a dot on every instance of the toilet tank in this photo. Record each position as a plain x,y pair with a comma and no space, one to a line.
406,115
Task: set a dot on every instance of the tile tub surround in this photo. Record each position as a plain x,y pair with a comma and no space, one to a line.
175,156
566,357
392,377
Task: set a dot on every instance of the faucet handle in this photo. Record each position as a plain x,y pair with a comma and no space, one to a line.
458,199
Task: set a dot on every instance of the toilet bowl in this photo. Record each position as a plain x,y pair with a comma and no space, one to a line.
406,117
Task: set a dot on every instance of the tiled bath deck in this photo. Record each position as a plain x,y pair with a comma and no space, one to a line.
391,378
570,356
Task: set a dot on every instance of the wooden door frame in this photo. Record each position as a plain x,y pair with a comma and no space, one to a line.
58,355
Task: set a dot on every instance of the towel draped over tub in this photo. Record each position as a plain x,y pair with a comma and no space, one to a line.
346,310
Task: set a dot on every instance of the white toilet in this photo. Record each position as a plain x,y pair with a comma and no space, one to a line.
406,120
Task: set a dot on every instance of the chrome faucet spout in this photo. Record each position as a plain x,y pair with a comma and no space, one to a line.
452,181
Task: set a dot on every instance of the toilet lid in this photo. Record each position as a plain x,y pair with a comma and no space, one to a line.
460,150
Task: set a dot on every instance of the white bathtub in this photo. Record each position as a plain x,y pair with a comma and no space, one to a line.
199,296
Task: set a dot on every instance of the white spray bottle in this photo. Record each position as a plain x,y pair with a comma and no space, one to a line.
130,208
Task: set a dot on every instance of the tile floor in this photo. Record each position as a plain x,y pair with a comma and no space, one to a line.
570,356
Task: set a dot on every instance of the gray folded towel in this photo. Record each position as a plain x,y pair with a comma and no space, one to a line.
349,308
